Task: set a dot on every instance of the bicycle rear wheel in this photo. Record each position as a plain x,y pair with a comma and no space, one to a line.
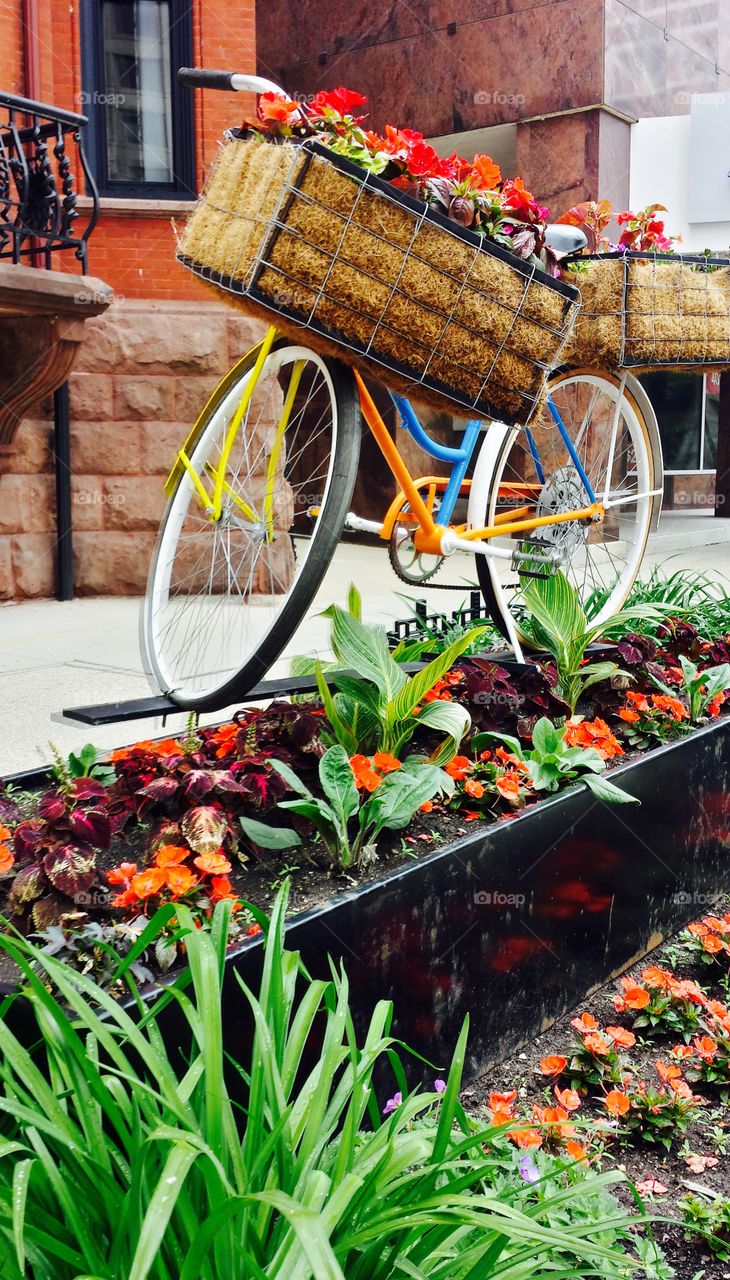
535,475
225,595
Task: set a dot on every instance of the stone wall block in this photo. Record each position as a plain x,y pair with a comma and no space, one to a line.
112,563
143,399
33,560
90,397
133,502
27,504
105,448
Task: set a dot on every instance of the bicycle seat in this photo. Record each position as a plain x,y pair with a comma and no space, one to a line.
564,239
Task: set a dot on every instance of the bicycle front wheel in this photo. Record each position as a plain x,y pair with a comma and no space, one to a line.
229,586
533,474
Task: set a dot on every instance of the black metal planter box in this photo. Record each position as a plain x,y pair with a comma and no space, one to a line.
516,923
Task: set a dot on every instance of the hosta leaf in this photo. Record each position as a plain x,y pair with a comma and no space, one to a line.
365,649
399,795
338,783
204,828
268,837
608,791
71,870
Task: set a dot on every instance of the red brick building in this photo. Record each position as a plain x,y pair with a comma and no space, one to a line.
145,366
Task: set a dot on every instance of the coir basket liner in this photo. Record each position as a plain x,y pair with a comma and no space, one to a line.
376,276
650,311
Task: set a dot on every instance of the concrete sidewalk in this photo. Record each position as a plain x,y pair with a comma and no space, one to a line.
86,651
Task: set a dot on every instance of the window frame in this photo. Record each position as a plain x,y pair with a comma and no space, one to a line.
181,106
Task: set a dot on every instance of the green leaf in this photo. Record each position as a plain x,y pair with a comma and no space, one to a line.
414,691
605,790
545,737
341,729
483,742
554,605
268,837
364,649
293,782
399,796
338,783
446,717
354,602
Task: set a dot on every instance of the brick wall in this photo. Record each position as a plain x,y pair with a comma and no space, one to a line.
144,372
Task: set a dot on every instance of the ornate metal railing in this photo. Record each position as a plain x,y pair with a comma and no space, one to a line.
41,155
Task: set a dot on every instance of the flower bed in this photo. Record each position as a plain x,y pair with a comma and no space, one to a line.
639,1075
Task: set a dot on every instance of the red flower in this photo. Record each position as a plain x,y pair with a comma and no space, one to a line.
341,100
553,1065
617,1103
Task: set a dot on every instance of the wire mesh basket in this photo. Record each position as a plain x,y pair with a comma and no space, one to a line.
377,278
650,311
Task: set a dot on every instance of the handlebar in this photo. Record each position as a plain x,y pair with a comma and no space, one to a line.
201,78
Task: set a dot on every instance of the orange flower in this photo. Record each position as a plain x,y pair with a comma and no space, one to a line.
485,174
592,733
146,883
585,1023
386,763
171,855
553,1065
680,1089
628,715
705,1047
458,768
656,977
126,899
6,858
712,945
667,1071
225,739
122,874
180,879
621,1037
596,1044
681,1051
506,1100
366,779
220,888
508,786
474,788
508,758
638,700
575,1150
426,807
568,1098
212,864
673,707
5,834
634,997
713,706
617,1103
526,1139
276,107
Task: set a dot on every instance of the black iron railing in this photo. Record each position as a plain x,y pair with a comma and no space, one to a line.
41,158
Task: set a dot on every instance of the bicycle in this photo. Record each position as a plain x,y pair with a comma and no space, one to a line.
259,496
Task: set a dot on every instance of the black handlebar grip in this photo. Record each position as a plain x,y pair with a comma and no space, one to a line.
200,78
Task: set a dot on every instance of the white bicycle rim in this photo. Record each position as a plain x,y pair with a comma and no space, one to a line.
605,560
221,631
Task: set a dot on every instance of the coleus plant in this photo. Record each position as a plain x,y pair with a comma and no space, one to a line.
641,232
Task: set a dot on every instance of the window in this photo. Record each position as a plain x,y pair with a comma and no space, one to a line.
686,407
140,121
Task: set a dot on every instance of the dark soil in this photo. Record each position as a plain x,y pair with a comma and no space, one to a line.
708,1132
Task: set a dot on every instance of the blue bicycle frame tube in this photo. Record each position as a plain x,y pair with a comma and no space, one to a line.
571,450
460,458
